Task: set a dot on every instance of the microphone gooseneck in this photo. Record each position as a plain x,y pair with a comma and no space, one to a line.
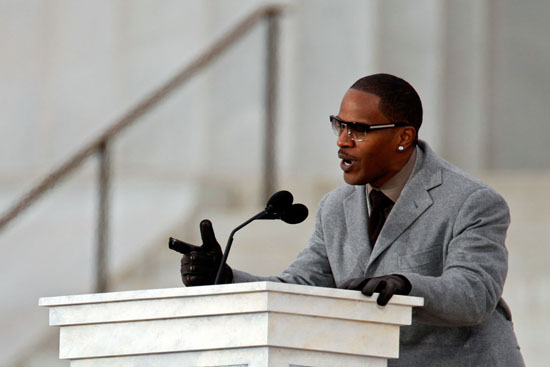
279,206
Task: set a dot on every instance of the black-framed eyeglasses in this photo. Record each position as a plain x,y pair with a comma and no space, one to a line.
357,131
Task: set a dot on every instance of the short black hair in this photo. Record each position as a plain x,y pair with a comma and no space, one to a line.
399,101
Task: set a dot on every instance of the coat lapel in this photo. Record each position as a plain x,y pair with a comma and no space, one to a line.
412,203
356,221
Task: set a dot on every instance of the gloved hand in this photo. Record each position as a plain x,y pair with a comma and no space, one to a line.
199,265
386,285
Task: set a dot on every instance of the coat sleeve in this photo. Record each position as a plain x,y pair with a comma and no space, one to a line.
474,266
311,266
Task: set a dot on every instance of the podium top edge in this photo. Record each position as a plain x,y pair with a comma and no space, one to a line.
236,288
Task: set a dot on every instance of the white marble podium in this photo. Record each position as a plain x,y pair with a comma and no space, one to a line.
247,324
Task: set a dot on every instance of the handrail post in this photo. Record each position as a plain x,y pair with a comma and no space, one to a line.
272,34
101,268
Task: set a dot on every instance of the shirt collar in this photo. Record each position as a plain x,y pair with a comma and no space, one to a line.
393,187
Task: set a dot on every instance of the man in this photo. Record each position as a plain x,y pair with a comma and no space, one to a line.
405,222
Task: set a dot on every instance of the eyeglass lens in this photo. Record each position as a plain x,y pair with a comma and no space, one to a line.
355,132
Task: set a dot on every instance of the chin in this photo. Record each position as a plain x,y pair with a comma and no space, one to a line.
350,180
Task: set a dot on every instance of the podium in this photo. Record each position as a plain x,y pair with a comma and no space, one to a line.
256,324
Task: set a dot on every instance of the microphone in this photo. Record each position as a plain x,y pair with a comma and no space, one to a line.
279,206
278,203
297,213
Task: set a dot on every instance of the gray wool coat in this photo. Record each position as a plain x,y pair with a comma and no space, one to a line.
446,234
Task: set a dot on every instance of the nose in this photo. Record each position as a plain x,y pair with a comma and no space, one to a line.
344,140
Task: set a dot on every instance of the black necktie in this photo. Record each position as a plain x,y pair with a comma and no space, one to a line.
381,206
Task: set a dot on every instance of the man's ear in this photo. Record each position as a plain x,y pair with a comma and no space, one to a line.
407,136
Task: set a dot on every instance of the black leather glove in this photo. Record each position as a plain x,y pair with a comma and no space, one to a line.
386,285
199,265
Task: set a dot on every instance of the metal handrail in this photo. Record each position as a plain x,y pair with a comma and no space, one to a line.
100,145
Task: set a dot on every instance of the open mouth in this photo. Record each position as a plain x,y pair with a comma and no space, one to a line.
346,162
346,158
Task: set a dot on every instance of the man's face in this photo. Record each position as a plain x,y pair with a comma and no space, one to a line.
373,160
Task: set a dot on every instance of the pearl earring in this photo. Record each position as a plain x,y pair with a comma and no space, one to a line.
401,148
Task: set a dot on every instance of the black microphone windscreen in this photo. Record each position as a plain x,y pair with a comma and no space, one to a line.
279,201
297,213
